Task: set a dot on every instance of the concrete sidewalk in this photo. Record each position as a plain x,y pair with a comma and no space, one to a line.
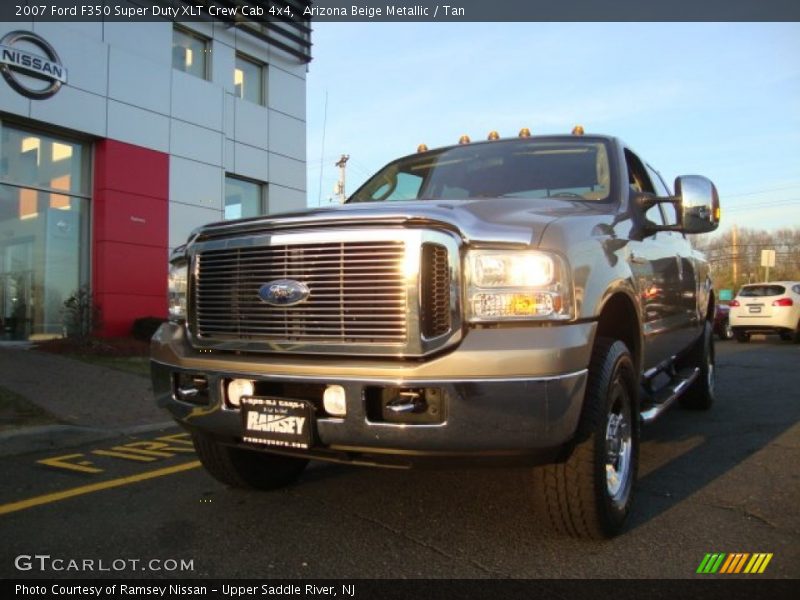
89,401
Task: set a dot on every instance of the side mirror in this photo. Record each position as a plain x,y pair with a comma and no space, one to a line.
697,203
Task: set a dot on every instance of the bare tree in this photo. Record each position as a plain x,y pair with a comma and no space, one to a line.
735,255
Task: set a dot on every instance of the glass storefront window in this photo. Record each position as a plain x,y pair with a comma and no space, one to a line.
189,53
248,80
44,212
42,161
242,198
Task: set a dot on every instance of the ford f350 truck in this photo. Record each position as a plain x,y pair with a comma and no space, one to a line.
532,299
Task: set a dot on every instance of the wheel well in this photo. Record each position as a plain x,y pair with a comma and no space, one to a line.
712,308
619,320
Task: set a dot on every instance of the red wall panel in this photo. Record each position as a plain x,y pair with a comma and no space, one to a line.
119,312
129,234
128,168
136,270
130,218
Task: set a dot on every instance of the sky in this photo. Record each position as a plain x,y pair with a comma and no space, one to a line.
715,99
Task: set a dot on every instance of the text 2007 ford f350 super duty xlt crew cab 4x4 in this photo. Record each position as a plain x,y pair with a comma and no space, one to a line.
533,299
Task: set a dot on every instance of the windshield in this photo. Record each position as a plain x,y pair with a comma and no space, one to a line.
752,291
509,169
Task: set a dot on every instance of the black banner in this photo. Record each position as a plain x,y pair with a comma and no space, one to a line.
445,11
728,588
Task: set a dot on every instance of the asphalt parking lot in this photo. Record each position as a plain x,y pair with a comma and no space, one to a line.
138,505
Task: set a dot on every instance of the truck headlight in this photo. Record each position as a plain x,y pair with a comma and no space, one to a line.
176,290
517,285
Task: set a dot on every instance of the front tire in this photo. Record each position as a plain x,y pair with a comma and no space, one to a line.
590,494
701,395
242,468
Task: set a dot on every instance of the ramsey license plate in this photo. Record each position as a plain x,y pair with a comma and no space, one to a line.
276,422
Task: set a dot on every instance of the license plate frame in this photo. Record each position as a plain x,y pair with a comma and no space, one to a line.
277,422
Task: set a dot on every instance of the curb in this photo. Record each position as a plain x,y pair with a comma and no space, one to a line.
51,437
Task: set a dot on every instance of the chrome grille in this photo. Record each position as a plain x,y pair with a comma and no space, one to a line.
435,290
357,293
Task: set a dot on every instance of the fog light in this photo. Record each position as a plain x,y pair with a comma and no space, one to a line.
334,401
238,388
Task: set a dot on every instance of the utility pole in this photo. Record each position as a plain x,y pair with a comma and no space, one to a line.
735,255
338,189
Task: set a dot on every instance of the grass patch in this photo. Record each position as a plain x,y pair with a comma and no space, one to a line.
16,411
124,354
138,365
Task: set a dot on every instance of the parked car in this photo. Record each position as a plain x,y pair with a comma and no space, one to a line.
722,322
772,307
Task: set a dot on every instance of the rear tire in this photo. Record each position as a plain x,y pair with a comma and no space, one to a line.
590,494
242,468
700,396
726,332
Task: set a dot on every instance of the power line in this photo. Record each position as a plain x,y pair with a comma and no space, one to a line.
770,204
744,258
753,193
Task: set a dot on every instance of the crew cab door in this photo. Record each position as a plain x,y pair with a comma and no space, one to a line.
661,267
690,278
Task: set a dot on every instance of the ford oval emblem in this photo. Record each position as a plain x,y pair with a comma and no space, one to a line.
283,292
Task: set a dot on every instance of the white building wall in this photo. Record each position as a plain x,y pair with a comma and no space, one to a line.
122,86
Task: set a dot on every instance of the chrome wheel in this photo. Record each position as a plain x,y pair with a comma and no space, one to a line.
619,449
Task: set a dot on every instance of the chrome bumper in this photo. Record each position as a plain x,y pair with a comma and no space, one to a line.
491,405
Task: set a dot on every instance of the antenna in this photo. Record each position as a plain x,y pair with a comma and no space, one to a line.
322,151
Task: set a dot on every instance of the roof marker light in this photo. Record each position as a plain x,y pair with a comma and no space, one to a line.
464,139
577,130
422,148
493,135
524,132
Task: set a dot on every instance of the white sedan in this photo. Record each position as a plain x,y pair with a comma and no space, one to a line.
772,307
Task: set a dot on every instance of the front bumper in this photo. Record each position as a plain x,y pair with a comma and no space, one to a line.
504,391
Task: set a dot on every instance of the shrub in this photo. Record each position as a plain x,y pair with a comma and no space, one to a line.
144,327
82,317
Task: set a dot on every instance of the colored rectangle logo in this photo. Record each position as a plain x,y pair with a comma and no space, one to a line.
733,563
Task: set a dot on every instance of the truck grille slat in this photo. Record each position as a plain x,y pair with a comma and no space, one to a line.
371,291
357,292
435,292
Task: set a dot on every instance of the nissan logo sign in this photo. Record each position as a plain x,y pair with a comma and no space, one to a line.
19,66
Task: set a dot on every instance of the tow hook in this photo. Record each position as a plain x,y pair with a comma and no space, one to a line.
408,402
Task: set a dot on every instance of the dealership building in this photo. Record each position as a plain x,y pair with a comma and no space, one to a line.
119,138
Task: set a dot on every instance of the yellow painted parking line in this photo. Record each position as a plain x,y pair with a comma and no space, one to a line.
160,448
63,462
94,487
124,455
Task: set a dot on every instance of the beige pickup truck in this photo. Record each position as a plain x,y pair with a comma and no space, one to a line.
532,300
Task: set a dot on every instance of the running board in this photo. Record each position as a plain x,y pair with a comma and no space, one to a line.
669,393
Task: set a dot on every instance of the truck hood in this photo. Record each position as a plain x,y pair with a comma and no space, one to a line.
519,221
